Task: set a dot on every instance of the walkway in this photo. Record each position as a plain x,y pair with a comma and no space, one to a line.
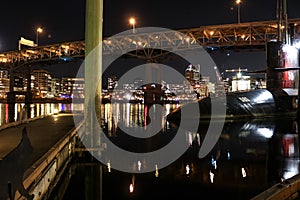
19,152
43,134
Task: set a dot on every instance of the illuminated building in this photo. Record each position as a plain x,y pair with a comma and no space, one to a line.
4,83
192,74
41,81
72,87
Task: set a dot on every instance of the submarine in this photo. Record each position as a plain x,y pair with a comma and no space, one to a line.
278,99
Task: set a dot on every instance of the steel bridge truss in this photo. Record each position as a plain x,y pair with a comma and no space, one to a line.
148,45
240,35
62,51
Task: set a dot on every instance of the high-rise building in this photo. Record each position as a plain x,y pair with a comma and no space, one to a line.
40,82
192,74
112,82
55,87
4,83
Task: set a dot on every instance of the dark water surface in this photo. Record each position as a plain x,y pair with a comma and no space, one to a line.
249,157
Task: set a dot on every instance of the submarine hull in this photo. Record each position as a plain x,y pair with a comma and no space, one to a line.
250,104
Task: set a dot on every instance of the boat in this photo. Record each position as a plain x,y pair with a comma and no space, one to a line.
279,98
259,103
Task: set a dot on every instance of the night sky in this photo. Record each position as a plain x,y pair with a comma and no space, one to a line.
64,20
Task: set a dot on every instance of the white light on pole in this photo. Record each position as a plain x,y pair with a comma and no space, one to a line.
132,22
238,3
38,30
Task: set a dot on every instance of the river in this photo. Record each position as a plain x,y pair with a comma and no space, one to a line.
249,156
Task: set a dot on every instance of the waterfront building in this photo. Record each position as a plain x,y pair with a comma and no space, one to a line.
240,82
200,84
112,82
4,83
72,87
40,82
78,88
192,74
128,86
55,87
138,83
19,83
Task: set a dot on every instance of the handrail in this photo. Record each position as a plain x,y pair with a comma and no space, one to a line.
286,190
39,167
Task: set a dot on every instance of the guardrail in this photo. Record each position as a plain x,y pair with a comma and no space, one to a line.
43,175
286,190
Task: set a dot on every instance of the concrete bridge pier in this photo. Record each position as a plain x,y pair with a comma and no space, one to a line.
11,101
28,93
11,96
153,76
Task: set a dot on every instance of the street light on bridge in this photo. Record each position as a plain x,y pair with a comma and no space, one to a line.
38,30
238,3
132,22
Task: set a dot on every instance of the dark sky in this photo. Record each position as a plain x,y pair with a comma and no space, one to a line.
64,20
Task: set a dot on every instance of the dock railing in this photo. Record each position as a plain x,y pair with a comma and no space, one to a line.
43,175
286,190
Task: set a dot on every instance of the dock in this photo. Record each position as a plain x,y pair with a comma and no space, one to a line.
30,163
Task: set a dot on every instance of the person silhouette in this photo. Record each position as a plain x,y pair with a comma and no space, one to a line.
23,114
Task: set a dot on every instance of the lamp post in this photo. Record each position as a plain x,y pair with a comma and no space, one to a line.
238,3
38,30
132,22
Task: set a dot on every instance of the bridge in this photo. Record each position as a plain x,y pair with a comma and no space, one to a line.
246,35
143,44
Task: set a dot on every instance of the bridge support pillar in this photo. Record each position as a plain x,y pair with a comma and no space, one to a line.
28,101
153,95
11,98
28,94
11,101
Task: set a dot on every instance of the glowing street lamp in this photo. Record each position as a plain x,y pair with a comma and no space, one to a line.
238,3
132,22
38,30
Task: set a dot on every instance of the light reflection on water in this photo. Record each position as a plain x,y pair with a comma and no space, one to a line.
249,157
130,115
36,110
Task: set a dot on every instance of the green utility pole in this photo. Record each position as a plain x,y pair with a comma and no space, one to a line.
93,88
93,27
93,69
